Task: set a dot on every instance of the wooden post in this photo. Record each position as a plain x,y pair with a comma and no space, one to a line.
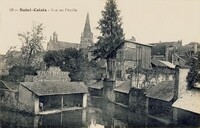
61,101
85,100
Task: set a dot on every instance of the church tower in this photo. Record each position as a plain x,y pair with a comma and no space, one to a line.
86,36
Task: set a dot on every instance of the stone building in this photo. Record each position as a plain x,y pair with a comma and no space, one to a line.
186,108
55,45
174,52
86,36
51,97
159,101
161,50
51,91
130,55
51,74
86,40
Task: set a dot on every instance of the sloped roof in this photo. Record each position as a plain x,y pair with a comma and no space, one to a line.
148,45
161,63
123,87
189,101
120,44
97,85
67,44
58,45
13,86
55,88
162,91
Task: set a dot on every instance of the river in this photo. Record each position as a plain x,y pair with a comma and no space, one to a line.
98,114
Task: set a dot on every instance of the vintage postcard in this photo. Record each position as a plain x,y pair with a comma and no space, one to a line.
99,63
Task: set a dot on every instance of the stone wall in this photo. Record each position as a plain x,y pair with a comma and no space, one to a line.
26,100
51,74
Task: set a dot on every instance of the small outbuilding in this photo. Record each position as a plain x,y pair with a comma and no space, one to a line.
122,94
159,101
45,97
96,89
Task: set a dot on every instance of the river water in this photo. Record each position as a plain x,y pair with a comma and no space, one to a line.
98,114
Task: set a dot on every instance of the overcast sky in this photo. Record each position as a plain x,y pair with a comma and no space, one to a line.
147,20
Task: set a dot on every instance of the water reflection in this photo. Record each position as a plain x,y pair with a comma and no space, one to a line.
99,114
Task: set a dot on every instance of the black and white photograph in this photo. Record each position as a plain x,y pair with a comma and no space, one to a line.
99,63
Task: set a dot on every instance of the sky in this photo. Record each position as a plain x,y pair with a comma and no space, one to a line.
147,20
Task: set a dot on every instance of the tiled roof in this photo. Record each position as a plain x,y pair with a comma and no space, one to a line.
55,88
189,101
123,87
162,91
97,85
160,63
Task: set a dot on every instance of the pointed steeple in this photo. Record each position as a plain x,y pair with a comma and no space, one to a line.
87,24
86,36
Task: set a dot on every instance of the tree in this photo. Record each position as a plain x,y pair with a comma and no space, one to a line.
13,57
29,58
32,44
111,30
193,75
73,61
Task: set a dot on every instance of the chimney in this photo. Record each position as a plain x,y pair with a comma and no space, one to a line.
133,38
55,37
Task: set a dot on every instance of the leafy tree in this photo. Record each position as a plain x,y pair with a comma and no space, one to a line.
111,30
73,61
30,56
13,57
18,73
32,44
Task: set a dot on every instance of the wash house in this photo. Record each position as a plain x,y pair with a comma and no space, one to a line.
52,97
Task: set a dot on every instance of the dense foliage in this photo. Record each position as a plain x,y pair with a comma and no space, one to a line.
193,75
73,61
111,30
18,73
32,44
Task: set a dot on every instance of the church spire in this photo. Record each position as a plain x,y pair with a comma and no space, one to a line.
87,24
86,36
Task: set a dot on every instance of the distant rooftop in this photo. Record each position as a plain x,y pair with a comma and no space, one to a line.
161,63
